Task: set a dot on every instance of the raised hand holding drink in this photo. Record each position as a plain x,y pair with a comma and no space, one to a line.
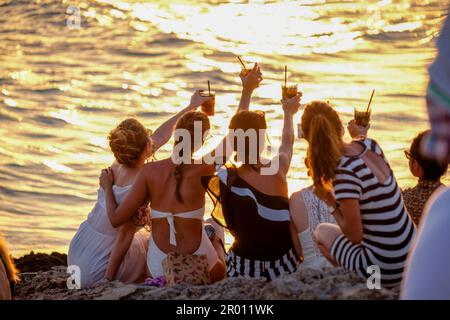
245,71
362,118
209,105
288,91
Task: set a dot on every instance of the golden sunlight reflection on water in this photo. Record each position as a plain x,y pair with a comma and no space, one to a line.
62,90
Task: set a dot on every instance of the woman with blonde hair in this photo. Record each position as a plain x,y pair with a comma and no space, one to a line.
355,179
8,272
102,251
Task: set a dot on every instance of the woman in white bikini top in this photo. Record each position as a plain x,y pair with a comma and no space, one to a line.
177,199
156,255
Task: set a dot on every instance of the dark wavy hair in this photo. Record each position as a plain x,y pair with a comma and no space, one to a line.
432,169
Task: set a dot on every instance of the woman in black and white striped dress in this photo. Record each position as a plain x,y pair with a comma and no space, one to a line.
374,226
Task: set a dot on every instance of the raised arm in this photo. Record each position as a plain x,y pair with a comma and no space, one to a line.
249,83
219,155
162,135
290,108
137,195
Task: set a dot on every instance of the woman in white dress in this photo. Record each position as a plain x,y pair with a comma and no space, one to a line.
307,212
101,251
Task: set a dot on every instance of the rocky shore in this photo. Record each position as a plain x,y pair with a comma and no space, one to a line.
50,283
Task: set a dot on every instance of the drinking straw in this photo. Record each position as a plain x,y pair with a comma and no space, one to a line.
209,88
285,76
242,63
370,101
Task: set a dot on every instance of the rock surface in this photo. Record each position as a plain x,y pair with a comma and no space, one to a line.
330,283
34,262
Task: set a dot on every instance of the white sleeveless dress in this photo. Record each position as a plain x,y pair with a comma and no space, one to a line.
318,212
91,246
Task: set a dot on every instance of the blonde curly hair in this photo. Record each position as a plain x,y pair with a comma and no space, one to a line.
128,141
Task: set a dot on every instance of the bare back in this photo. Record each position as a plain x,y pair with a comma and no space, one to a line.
123,176
161,185
272,185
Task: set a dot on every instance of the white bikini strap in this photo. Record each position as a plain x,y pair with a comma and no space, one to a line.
173,231
170,221
195,214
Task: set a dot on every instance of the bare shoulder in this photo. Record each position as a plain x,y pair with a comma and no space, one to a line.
297,200
202,169
277,180
298,211
153,173
208,169
295,196
149,168
279,165
115,165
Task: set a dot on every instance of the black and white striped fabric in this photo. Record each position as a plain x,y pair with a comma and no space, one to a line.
239,266
387,228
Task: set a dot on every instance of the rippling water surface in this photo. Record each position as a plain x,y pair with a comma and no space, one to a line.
63,89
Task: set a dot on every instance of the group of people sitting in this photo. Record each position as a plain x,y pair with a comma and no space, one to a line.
353,215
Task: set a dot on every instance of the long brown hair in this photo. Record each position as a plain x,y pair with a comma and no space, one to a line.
187,123
322,128
249,120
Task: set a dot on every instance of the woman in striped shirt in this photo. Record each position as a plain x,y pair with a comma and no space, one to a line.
356,180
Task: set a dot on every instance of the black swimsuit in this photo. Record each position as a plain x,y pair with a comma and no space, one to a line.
259,224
